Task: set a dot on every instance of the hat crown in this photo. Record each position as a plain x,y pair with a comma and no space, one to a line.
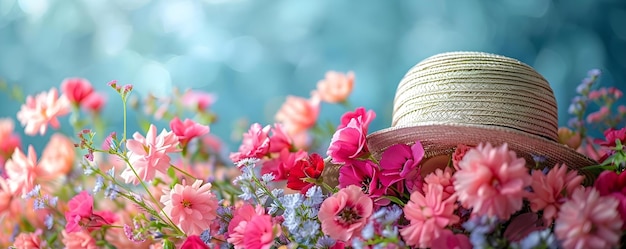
474,88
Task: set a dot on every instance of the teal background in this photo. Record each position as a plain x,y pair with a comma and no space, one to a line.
254,53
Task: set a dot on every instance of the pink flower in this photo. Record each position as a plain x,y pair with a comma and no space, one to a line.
621,109
458,154
362,116
522,225
21,171
187,130
57,158
399,162
491,180
348,143
260,232
78,240
442,178
148,155
344,214
429,214
194,242
41,110
192,208
255,143
9,139
610,183
198,100
80,214
365,175
588,220
94,102
552,189
280,139
298,114
282,164
611,135
449,240
28,241
5,196
237,225
336,87
76,89
598,116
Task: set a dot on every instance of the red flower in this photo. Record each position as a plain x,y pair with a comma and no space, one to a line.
310,167
194,242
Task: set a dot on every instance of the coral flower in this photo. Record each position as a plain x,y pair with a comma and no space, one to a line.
588,220
298,114
192,208
491,180
429,214
260,232
552,189
255,143
148,155
58,157
28,241
336,87
41,110
78,240
22,171
187,130
9,139
345,214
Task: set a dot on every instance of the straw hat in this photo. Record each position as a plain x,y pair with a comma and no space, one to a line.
471,98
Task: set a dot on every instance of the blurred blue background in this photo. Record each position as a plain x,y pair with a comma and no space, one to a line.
254,53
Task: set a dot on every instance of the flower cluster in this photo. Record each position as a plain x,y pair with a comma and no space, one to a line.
284,188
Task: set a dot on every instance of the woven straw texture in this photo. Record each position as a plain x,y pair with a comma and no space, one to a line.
473,97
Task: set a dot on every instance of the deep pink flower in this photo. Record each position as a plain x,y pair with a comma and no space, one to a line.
588,220
336,87
344,214
365,175
522,225
348,143
194,242
611,135
611,184
21,171
552,189
491,181
187,130
78,240
148,155
443,178
361,115
10,140
28,241
76,89
260,232
308,168
198,100
280,139
237,225
400,162
191,207
41,110
80,214
94,102
255,143
281,165
447,239
429,214
298,114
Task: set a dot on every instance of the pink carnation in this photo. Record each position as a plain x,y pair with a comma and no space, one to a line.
298,114
255,143
80,214
21,171
78,240
588,220
28,241
187,130
348,143
610,183
280,139
443,178
429,214
400,162
491,181
361,115
344,214
447,239
148,155
192,208
552,189
237,226
260,232
41,110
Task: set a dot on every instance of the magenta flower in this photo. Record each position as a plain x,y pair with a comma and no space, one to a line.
80,214
492,181
260,232
255,143
41,110
552,189
611,135
365,175
588,220
187,130
399,162
22,171
194,242
429,214
345,214
191,207
348,143
148,155
280,139
610,183
364,117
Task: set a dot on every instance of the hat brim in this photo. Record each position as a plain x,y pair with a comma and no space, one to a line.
442,139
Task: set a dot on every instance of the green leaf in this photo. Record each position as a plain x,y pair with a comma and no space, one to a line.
167,244
394,199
